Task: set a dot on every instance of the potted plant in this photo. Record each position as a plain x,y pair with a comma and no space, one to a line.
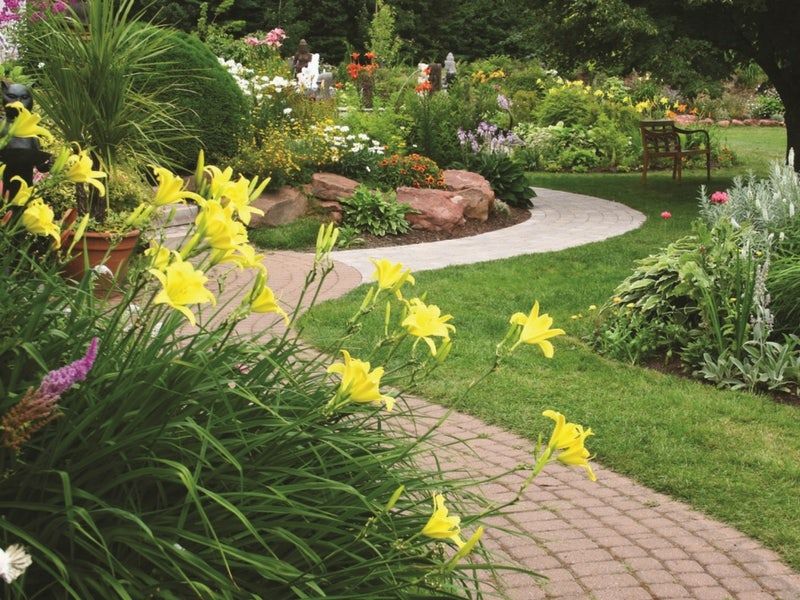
95,86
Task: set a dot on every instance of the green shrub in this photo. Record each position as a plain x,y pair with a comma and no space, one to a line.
374,212
768,106
570,105
214,108
506,176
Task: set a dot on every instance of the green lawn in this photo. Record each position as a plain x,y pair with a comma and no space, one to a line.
734,455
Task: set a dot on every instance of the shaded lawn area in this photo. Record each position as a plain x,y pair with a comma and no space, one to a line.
733,455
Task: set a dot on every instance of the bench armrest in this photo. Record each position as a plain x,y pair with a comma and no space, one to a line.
693,131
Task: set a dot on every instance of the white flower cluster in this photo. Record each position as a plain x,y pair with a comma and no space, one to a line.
256,86
342,141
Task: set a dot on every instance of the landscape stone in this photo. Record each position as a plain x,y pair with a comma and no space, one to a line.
477,193
437,210
724,123
284,205
737,122
329,186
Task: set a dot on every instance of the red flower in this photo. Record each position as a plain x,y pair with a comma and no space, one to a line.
666,215
370,56
353,70
355,55
423,87
719,198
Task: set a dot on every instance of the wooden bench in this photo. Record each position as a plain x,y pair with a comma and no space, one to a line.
661,139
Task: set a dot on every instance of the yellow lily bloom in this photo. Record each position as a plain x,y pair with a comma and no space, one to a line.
38,219
245,256
391,276
218,227
265,302
359,383
26,124
79,170
238,196
160,256
182,285
576,454
536,330
441,526
220,180
425,321
564,433
24,192
170,188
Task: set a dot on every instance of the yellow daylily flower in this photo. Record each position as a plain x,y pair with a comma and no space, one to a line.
564,433
425,321
24,192
441,526
218,227
245,256
391,276
160,256
170,188
26,124
38,219
79,170
220,180
264,301
576,454
536,330
182,285
359,382
238,196
326,241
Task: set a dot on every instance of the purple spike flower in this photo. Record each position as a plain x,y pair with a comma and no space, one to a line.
38,407
59,381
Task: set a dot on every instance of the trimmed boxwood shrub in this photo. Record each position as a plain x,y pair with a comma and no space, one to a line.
216,111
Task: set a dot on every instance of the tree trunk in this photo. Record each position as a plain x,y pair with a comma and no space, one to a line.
792,127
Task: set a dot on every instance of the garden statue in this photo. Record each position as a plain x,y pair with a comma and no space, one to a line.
302,57
308,76
20,155
435,77
449,69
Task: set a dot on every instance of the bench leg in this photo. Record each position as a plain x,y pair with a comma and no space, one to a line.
644,169
680,168
675,167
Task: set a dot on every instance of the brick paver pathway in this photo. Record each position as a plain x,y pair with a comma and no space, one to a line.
610,540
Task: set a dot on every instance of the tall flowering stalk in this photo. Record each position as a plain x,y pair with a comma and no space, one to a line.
40,406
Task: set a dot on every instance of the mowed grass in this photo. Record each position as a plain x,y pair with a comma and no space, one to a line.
735,456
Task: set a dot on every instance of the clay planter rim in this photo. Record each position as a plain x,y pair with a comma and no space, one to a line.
103,247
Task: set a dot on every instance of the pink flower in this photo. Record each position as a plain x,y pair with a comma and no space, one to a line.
251,41
666,215
719,198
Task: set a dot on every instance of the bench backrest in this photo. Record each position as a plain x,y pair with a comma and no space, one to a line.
659,136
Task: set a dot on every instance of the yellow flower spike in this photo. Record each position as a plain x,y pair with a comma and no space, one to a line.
160,256
238,196
182,285
78,169
26,125
24,192
391,276
468,546
425,321
577,455
440,526
256,189
199,170
536,330
170,188
264,301
219,229
394,498
139,216
359,383
326,241
38,219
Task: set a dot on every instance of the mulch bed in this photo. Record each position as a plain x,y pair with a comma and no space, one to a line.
495,221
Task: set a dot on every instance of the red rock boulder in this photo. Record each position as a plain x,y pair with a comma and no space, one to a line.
477,194
328,186
435,210
282,206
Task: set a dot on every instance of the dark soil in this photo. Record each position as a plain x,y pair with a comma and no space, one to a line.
495,221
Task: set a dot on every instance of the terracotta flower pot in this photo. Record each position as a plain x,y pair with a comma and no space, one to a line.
101,248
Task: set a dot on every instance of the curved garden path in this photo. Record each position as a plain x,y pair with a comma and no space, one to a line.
610,540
